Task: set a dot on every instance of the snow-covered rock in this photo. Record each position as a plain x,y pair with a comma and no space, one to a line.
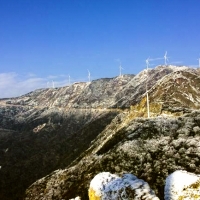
182,185
98,184
109,186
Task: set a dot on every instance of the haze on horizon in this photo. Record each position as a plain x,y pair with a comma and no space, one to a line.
49,40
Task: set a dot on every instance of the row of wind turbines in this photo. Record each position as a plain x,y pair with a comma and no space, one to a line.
152,59
166,60
69,80
165,57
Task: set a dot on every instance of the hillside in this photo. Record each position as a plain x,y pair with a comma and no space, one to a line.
148,148
86,128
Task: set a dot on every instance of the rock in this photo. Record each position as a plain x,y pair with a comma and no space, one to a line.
109,186
182,185
98,184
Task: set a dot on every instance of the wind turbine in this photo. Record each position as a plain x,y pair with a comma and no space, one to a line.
53,84
69,79
199,61
166,58
120,70
147,64
89,75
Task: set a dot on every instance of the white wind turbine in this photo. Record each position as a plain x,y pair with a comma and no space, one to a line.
120,70
69,79
89,75
147,64
166,58
53,84
199,61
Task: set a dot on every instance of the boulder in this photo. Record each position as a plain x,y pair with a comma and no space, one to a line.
109,186
98,184
182,185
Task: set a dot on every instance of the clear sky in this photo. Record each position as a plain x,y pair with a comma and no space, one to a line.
47,40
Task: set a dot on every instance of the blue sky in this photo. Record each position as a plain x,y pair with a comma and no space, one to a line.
45,40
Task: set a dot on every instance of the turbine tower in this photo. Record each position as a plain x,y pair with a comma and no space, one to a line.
53,86
120,70
166,58
199,61
69,79
89,75
147,64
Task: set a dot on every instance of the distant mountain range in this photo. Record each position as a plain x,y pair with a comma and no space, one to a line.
62,137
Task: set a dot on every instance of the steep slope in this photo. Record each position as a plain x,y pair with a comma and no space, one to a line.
49,129
149,148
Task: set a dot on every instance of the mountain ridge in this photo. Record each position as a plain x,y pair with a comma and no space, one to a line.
55,128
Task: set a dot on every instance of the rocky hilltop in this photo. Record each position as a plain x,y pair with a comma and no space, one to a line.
85,128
